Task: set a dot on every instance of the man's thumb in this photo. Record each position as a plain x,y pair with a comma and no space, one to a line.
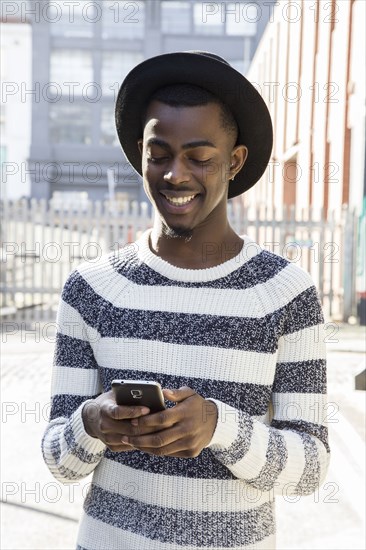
179,394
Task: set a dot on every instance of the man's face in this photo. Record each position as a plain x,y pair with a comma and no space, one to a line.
186,157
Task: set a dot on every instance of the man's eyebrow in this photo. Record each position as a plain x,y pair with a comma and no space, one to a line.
201,143
157,141
190,145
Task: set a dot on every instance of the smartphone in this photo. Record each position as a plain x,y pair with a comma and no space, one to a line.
139,392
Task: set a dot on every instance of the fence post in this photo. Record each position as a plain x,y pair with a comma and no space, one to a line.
349,265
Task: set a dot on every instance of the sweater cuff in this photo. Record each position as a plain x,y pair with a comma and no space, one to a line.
92,445
227,425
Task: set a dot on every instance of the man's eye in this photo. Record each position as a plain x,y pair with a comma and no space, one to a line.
157,159
199,161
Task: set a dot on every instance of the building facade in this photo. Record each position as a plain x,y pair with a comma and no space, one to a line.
81,53
15,110
310,68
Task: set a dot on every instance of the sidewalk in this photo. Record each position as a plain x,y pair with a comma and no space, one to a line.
39,513
345,338
338,520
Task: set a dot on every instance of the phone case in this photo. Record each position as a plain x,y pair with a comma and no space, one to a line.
139,392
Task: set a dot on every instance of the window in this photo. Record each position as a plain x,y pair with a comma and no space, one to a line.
3,154
123,19
231,18
72,18
208,23
4,182
241,18
2,117
70,123
71,66
176,17
240,65
108,134
115,66
290,179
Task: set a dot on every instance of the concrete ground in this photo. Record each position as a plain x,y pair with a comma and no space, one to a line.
39,513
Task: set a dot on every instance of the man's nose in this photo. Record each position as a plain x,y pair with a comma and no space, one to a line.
177,172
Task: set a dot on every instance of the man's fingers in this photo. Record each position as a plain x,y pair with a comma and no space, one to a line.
178,395
160,420
120,412
154,440
114,443
177,448
125,427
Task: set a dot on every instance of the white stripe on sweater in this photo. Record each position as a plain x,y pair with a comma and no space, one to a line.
74,381
70,323
308,407
303,345
256,301
181,493
224,364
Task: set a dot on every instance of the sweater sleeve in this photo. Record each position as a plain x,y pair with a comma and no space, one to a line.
69,452
290,454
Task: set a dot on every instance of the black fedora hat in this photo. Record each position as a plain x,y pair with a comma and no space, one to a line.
213,73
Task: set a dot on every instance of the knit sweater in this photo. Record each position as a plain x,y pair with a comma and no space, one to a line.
246,334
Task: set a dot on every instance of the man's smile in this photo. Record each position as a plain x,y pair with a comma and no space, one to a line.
180,199
178,203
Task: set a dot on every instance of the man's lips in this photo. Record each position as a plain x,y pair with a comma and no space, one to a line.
179,199
176,202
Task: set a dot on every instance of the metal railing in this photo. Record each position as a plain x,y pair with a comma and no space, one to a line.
42,242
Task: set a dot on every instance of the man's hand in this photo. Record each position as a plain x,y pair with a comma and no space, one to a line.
181,431
107,421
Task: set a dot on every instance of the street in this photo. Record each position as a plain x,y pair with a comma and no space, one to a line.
39,513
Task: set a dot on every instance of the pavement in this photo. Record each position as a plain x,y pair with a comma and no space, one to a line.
39,513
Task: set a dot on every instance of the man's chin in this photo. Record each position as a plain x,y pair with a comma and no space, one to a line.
177,232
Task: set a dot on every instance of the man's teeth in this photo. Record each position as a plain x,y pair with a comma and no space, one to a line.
179,200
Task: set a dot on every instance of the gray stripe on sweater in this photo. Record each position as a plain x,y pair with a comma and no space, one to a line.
77,450
311,474
301,377
276,458
240,446
183,527
301,426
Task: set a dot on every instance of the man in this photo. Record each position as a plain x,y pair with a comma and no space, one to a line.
232,332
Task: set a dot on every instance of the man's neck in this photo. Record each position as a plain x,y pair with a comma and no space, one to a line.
200,251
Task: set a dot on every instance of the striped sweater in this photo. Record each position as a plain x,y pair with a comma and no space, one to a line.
246,334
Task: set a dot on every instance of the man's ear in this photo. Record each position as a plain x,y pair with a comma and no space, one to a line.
238,157
140,143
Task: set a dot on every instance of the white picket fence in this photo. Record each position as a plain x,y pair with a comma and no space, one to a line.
42,242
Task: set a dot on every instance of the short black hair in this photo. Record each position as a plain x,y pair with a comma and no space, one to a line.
190,95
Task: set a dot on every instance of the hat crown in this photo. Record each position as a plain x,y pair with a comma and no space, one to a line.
208,54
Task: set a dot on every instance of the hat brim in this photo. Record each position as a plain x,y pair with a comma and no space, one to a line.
216,76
